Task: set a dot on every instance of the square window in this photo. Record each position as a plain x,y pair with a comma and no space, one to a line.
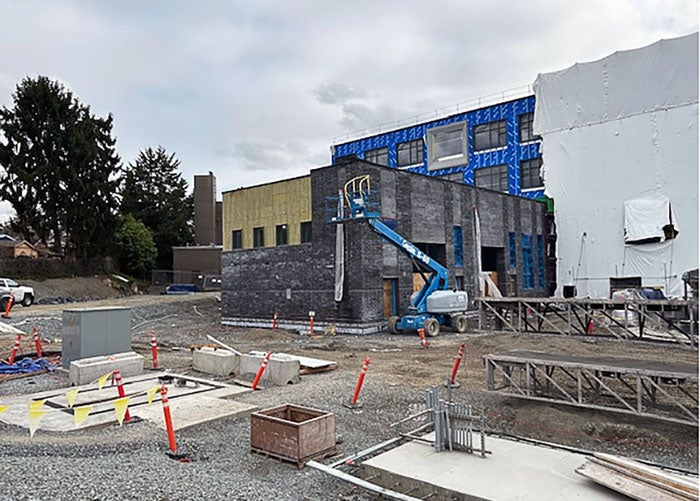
493,178
305,232
525,126
410,153
530,174
447,146
379,156
259,237
281,234
237,239
490,135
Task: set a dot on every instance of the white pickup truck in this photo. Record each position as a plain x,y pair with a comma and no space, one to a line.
23,295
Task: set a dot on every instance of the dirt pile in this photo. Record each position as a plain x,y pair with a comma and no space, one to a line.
78,288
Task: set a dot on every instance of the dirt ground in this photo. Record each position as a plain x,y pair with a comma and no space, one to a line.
399,361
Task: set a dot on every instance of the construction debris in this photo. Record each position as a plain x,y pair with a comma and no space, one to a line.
637,480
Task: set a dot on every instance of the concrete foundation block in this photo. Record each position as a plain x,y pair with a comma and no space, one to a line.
86,370
280,370
215,361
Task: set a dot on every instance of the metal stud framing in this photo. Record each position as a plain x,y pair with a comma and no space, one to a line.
577,317
665,391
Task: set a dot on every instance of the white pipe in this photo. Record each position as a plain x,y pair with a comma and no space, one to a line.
361,483
210,338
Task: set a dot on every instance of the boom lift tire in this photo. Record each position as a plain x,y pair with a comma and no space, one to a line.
431,327
459,323
392,325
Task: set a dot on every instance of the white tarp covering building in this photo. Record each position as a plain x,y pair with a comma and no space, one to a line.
620,160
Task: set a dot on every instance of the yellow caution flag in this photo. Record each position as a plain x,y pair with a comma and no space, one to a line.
120,406
70,396
3,408
35,416
35,405
101,382
81,413
152,393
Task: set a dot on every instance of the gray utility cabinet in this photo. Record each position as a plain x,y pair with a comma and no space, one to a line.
91,332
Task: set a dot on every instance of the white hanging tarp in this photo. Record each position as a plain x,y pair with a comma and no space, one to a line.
646,218
620,159
339,261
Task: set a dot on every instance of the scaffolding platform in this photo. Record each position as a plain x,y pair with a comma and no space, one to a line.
661,390
669,320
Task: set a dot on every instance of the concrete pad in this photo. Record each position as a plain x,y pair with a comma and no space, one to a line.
219,362
514,470
60,416
281,369
194,411
88,370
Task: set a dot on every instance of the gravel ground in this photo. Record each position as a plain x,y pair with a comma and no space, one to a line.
129,462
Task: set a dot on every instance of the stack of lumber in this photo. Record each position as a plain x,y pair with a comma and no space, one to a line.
637,480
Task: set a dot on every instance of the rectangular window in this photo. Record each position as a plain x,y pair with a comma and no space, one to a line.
525,122
458,246
259,237
237,239
540,262
410,153
528,265
447,146
530,174
379,156
511,251
305,232
281,237
490,135
459,282
493,178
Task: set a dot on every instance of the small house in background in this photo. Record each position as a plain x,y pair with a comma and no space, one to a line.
45,252
17,248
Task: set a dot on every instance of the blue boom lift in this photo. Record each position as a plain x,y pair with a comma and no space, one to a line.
434,304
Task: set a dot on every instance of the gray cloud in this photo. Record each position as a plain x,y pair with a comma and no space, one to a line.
256,91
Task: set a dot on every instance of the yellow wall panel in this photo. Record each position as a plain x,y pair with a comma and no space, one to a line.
268,205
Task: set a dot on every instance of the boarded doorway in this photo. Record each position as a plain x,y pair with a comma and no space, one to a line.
390,290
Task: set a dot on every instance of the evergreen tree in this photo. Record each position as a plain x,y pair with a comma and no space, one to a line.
155,193
60,168
134,245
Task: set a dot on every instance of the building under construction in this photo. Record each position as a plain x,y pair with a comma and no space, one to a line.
282,251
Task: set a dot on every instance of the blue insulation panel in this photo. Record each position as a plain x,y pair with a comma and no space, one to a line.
511,155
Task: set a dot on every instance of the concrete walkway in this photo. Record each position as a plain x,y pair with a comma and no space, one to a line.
513,471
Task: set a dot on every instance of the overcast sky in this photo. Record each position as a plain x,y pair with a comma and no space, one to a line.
256,91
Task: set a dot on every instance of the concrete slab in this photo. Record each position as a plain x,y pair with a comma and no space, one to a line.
88,370
514,471
185,398
219,362
193,411
281,369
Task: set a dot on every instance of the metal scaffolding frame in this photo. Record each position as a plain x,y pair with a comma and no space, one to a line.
620,319
658,390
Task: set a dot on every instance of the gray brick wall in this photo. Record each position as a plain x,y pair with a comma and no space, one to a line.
296,279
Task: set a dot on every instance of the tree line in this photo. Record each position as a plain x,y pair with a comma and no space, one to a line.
69,188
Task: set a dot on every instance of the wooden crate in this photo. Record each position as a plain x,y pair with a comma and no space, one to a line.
293,433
